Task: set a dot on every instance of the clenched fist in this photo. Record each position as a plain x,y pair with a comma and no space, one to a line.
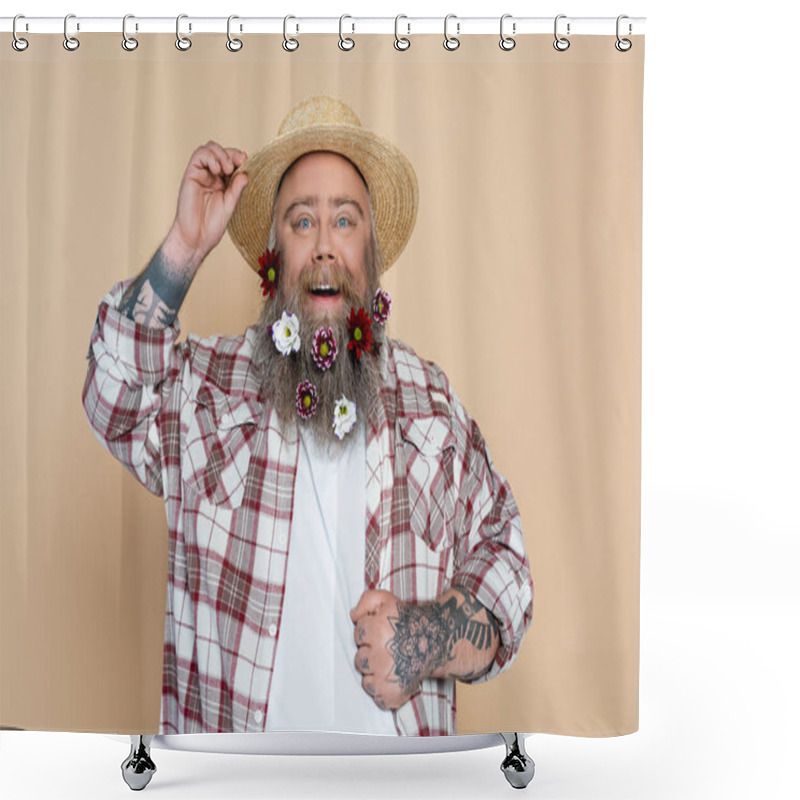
400,643
392,647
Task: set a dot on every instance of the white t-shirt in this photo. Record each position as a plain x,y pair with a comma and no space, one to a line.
315,684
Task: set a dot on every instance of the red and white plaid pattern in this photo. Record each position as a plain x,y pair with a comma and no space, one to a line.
188,421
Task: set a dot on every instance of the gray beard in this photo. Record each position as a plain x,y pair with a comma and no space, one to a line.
359,381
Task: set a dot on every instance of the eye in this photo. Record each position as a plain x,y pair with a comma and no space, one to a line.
343,222
304,223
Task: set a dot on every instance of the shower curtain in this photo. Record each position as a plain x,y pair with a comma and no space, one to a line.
521,280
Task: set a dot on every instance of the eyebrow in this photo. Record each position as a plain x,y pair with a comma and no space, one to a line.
311,201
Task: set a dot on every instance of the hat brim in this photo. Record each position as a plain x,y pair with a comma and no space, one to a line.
391,179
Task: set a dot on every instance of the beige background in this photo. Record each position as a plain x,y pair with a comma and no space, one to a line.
522,279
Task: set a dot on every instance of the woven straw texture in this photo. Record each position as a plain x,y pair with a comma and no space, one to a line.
321,122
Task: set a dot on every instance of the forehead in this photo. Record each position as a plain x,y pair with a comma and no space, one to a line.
321,173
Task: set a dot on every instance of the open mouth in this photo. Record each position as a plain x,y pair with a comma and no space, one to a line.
325,291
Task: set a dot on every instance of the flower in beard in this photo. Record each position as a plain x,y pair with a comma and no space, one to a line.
324,348
306,399
285,334
359,326
344,417
269,264
381,306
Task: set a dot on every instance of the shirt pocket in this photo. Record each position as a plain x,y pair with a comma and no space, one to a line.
429,446
218,446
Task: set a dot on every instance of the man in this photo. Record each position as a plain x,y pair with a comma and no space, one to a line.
341,547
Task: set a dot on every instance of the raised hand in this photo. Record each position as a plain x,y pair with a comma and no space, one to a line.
206,202
207,199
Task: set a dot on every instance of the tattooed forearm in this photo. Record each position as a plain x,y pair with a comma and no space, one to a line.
154,298
426,635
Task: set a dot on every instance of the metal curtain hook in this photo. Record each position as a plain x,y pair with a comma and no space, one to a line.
234,45
400,42
70,42
182,42
506,42
623,45
345,43
128,42
289,44
18,43
560,42
451,42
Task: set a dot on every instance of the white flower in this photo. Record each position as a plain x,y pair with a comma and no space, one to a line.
344,417
285,334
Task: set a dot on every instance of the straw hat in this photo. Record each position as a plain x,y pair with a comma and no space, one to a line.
326,123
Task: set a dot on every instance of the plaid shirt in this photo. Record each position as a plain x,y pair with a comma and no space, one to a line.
189,422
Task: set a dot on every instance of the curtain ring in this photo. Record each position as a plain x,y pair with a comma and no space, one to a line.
70,42
289,44
400,42
451,42
181,42
18,43
561,44
129,43
233,44
507,42
345,43
623,45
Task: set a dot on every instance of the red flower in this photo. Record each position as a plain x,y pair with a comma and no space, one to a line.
270,264
324,348
359,326
306,399
381,305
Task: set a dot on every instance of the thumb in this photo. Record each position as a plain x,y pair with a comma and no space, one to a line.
234,192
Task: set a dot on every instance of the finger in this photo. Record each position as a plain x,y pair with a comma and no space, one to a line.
205,159
360,634
356,612
362,661
368,603
234,191
224,160
365,630
238,156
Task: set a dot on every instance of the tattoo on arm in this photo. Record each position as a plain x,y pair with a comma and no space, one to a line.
425,635
154,298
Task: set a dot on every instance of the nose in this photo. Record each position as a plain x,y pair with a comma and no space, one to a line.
323,249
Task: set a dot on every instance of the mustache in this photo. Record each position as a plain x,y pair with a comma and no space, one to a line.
335,276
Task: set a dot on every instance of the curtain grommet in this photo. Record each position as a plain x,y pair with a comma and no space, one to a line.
561,43
129,43
17,42
233,44
345,42
623,45
70,43
183,43
451,43
507,42
289,44
400,42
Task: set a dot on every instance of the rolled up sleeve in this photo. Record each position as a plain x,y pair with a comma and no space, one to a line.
492,564
132,370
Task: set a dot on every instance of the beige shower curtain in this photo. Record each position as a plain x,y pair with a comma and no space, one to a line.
522,280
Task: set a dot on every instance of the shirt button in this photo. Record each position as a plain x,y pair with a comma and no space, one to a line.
259,716
282,539
273,629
